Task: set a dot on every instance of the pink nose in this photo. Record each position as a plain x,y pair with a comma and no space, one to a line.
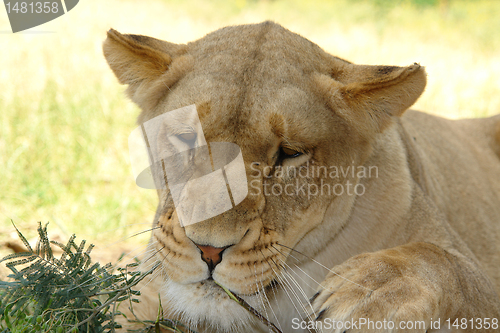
211,255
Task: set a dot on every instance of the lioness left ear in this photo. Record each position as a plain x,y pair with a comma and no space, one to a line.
148,65
369,96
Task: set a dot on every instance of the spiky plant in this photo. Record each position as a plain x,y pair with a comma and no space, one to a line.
65,294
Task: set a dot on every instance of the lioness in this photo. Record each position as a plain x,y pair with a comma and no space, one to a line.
389,222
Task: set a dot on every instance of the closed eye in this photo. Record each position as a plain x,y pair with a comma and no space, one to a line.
188,138
286,152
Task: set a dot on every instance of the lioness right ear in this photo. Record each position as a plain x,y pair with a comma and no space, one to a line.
148,65
369,97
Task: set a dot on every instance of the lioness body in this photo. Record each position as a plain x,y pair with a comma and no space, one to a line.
417,242
458,164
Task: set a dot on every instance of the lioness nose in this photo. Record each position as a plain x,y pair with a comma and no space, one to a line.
211,255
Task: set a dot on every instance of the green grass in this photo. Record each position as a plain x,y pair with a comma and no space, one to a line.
64,120
65,159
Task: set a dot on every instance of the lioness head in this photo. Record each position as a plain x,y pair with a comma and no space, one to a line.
295,111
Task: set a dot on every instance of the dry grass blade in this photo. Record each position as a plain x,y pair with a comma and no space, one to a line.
250,309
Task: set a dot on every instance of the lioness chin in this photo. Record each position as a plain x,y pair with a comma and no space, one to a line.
356,211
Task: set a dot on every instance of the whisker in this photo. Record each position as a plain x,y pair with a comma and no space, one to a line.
273,289
126,226
317,262
156,272
109,270
300,289
284,271
259,294
303,303
137,234
92,278
285,285
299,268
265,296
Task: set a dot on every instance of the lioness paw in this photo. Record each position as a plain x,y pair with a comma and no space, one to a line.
375,292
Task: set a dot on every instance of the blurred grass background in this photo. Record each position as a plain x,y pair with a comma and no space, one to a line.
64,120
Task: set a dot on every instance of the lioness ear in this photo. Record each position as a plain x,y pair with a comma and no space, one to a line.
368,96
148,65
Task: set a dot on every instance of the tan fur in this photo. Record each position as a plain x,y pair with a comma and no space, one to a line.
420,243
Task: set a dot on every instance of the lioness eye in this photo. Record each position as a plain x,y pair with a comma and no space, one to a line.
289,153
187,137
